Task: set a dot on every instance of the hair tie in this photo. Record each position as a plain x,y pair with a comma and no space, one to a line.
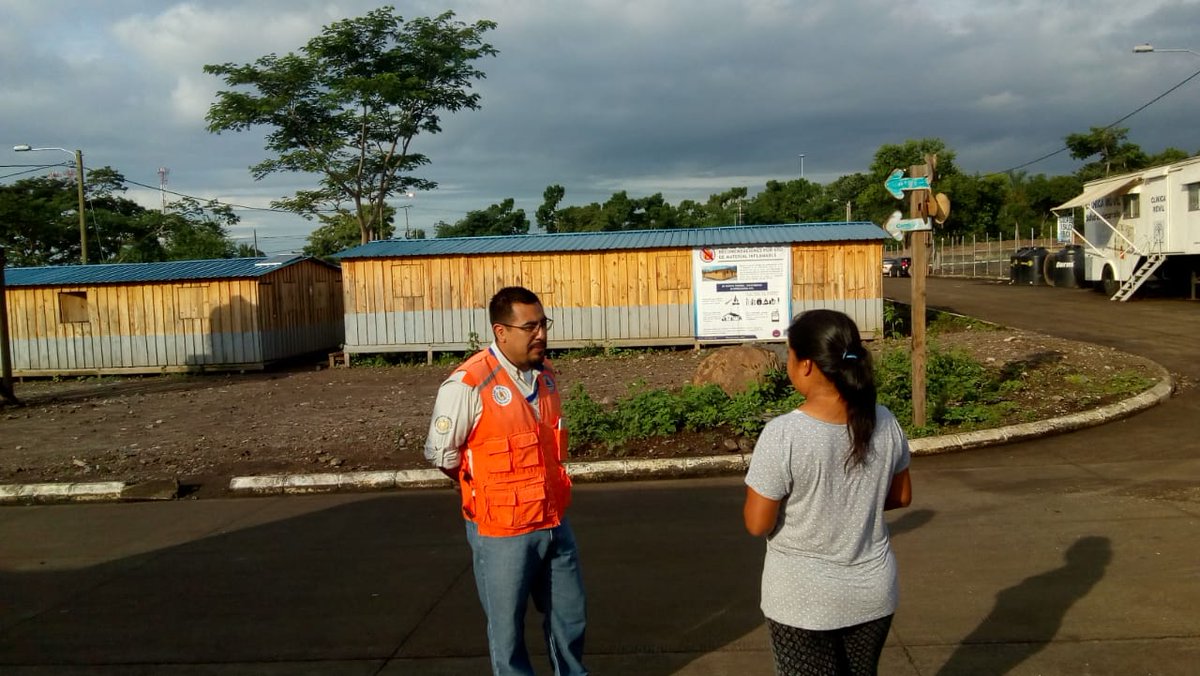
847,354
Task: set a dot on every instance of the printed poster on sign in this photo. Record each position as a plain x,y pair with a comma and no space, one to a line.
1066,227
742,293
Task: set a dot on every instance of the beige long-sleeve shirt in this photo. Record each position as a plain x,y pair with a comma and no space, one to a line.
458,407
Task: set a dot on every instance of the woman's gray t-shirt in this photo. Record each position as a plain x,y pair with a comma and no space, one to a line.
829,563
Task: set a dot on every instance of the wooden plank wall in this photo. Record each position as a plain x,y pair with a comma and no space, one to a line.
843,276
136,326
592,296
301,310
176,326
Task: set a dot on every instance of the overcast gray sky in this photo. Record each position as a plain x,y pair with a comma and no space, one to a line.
683,97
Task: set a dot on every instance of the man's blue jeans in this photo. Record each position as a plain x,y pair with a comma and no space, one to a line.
509,571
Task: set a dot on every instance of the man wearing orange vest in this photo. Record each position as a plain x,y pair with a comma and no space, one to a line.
497,432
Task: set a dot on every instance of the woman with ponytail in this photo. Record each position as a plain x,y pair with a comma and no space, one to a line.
819,481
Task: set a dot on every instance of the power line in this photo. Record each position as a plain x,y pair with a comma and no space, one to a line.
1139,109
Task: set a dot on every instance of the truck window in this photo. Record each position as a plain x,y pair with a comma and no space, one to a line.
1129,206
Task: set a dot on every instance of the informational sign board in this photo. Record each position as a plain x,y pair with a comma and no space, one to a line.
742,293
1066,226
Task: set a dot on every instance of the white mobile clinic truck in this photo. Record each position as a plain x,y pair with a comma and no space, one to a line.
1139,225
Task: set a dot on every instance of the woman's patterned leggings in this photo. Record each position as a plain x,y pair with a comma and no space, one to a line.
849,651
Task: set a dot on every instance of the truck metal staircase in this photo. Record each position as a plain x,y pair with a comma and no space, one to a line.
1152,263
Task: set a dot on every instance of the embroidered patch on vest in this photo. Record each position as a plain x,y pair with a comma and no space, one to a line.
442,424
502,395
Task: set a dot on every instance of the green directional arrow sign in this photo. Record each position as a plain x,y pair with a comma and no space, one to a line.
897,183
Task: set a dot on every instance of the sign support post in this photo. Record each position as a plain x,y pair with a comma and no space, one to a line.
920,263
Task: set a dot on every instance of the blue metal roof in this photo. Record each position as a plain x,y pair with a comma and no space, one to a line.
171,271
745,235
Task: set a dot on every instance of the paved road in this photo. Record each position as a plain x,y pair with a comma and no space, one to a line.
1075,554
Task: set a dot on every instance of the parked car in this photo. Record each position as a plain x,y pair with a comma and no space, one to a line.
896,267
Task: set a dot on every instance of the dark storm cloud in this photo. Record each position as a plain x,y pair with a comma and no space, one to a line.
683,98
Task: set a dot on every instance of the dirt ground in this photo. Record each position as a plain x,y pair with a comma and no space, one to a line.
310,418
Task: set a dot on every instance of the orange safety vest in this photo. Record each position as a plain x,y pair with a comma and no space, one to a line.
512,479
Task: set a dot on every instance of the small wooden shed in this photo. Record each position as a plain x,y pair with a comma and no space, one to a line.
642,288
180,316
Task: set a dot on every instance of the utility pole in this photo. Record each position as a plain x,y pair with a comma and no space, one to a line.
82,211
23,148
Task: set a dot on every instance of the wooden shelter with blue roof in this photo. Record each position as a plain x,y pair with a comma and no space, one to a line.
631,288
180,316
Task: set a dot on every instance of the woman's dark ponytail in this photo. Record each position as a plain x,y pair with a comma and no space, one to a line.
831,340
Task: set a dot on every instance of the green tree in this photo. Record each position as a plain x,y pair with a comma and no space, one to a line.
498,219
976,204
39,224
835,196
340,231
795,201
585,218
653,212
875,203
191,230
1168,156
548,212
349,105
725,208
1116,155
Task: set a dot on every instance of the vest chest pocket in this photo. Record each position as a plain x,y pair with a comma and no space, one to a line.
525,450
495,455
517,508
517,452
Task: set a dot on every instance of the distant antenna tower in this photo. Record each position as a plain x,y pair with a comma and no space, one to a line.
162,186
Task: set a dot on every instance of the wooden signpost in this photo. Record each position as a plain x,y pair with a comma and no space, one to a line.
924,209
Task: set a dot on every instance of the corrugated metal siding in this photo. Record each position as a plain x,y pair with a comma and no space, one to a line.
747,235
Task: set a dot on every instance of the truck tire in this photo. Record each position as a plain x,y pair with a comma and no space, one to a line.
1109,285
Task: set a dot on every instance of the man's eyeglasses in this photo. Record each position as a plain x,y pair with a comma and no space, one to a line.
531,327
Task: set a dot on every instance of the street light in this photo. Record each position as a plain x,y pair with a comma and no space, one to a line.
406,207
1148,48
79,184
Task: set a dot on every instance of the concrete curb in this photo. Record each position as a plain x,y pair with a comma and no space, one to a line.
99,490
604,470
1002,435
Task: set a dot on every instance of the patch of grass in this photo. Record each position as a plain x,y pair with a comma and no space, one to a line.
945,322
962,394
592,350
648,412
1125,383
897,321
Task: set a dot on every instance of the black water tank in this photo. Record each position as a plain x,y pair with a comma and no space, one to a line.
1037,264
1067,270
1018,266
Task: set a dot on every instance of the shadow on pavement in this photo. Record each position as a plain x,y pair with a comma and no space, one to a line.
1027,616
309,582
